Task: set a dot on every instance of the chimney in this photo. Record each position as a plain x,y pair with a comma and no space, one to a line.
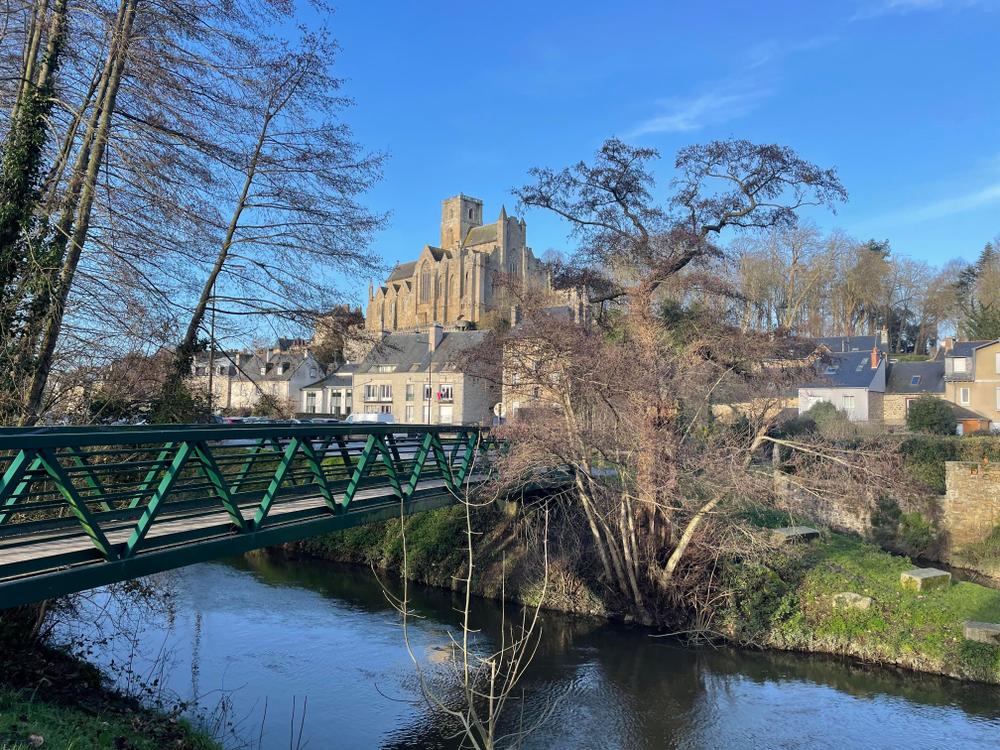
434,335
876,356
883,336
948,344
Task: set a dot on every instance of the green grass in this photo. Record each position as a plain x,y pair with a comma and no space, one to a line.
788,605
66,728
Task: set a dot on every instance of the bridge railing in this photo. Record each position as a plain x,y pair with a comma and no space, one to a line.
124,486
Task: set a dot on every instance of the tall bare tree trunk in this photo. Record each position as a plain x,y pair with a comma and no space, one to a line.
76,230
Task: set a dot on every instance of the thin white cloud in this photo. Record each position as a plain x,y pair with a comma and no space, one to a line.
771,50
945,208
898,7
710,108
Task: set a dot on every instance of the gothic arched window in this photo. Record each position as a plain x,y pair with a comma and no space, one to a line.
425,285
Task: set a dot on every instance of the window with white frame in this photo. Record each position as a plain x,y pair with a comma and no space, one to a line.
427,391
998,363
959,364
446,414
409,391
385,392
385,368
446,392
998,399
310,402
409,412
849,404
963,396
426,414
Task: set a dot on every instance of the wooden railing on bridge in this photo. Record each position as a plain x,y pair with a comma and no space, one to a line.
86,506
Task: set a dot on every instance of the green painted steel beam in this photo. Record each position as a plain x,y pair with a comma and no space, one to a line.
60,583
77,506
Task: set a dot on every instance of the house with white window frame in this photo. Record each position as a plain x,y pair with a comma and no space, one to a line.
333,396
419,377
972,382
854,382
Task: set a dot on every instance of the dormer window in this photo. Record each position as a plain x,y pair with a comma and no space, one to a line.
312,372
263,369
284,367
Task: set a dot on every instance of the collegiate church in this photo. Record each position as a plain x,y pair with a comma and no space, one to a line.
457,283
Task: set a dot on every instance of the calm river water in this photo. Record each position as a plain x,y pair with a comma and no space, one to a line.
271,640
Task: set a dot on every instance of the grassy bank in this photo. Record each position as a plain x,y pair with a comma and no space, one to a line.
789,605
26,722
506,553
786,603
50,699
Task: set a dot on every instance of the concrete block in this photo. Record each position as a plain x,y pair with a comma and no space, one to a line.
925,579
850,600
983,632
793,534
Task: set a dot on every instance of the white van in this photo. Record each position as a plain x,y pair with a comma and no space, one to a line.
356,418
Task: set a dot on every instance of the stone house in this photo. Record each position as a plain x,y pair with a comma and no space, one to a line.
419,378
907,382
854,382
238,380
457,283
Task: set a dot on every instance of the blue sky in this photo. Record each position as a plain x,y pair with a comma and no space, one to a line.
902,96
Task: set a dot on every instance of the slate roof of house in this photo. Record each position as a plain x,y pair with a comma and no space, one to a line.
846,370
961,412
479,235
966,348
273,369
408,351
930,377
402,271
839,344
342,376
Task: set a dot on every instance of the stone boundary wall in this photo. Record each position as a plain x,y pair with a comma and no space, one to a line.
843,514
971,507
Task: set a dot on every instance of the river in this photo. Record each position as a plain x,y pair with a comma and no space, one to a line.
282,649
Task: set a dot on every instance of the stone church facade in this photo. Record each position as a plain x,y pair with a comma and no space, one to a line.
462,279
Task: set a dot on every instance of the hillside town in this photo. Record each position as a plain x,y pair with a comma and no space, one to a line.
680,429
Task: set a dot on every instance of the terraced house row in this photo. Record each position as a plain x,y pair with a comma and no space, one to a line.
857,376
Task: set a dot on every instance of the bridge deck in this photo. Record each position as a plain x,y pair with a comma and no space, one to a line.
76,512
52,550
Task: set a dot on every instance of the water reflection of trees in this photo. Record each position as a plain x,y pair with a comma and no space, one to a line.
640,690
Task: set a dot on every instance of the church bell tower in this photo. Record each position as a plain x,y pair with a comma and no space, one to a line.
458,215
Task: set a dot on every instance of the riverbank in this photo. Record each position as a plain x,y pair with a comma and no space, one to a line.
785,604
51,699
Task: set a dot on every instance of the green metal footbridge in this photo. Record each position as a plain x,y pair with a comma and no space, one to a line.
87,506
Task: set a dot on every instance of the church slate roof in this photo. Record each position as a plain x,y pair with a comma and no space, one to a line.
480,235
402,271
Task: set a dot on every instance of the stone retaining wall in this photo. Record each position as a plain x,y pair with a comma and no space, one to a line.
971,507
